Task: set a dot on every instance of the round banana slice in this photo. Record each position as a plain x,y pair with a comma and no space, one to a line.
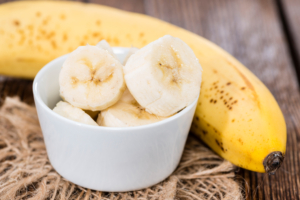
91,79
164,76
76,114
131,51
103,44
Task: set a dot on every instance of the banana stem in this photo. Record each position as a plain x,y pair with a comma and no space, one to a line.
273,161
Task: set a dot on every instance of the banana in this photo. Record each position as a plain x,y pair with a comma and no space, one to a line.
76,114
91,79
127,112
252,133
131,51
238,117
103,44
164,76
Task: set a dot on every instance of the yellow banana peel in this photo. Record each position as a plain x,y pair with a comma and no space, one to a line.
236,116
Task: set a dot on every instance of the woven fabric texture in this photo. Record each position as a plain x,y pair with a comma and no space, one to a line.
26,173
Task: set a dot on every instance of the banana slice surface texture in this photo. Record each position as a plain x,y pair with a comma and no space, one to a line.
164,76
127,112
91,79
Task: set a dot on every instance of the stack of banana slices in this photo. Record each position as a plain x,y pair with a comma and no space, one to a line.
155,82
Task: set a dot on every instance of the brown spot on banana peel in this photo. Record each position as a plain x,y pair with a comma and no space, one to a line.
62,17
240,140
25,59
209,127
248,83
16,23
273,161
220,144
98,22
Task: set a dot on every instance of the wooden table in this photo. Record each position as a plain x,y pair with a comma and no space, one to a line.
265,36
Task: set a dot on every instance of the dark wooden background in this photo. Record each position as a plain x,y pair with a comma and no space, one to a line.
265,36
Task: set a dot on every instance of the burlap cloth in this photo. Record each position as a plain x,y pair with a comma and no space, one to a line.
26,173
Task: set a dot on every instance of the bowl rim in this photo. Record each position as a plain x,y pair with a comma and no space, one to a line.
38,100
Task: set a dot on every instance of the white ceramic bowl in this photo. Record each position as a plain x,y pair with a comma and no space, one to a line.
106,158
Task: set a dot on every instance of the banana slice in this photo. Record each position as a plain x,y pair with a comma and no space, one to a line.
91,79
131,51
164,76
76,114
103,44
125,115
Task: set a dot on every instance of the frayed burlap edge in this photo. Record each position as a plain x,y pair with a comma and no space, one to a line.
26,173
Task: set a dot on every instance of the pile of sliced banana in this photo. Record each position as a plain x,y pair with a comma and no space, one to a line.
155,82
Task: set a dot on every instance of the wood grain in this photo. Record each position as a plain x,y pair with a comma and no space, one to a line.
5,1
128,5
251,31
291,12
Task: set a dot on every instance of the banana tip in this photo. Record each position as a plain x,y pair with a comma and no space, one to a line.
273,161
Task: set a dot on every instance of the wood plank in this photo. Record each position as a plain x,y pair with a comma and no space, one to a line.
16,87
250,31
128,5
291,14
5,1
